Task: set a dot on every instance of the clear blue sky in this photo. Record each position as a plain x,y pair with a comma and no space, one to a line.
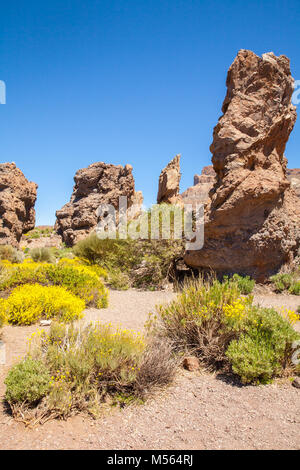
126,81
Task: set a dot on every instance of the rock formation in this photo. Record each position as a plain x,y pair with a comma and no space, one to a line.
17,200
294,177
203,184
199,193
169,180
208,175
252,219
99,183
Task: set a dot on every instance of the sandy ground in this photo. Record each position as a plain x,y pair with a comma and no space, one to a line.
199,411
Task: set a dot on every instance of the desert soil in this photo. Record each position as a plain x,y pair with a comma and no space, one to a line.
198,411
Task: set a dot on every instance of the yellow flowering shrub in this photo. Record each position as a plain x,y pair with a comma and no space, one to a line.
290,315
79,279
101,272
30,302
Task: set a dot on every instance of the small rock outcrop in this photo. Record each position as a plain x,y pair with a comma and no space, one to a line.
169,180
208,175
199,193
252,219
99,183
17,200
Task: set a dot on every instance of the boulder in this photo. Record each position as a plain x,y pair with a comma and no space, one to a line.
99,183
252,219
191,363
169,180
17,200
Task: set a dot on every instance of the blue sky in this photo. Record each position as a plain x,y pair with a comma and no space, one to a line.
126,82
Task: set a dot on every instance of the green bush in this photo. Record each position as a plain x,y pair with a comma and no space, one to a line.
226,331
263,350
119,280
287,282
245,283
295,288
27,382
84,368
42,255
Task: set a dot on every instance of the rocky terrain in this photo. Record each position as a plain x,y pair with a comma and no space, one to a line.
17,200
99,183
252,219
169,180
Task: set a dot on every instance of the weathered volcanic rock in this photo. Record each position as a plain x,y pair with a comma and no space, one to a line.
169,180
208,175
294,177
99,183
252,220
199,193
17,200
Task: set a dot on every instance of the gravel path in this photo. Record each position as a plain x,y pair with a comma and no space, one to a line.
199,411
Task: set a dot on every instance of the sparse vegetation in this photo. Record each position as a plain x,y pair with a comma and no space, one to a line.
287,282
39,232
83,368
132,263
42,255
226,331
9,253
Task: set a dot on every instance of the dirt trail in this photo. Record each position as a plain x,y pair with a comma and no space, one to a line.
199,411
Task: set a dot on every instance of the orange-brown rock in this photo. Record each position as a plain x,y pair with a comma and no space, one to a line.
99,183
191,363
252,220
17,200
199,193
169,180
208,175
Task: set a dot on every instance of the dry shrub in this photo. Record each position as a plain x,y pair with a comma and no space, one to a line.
158,366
